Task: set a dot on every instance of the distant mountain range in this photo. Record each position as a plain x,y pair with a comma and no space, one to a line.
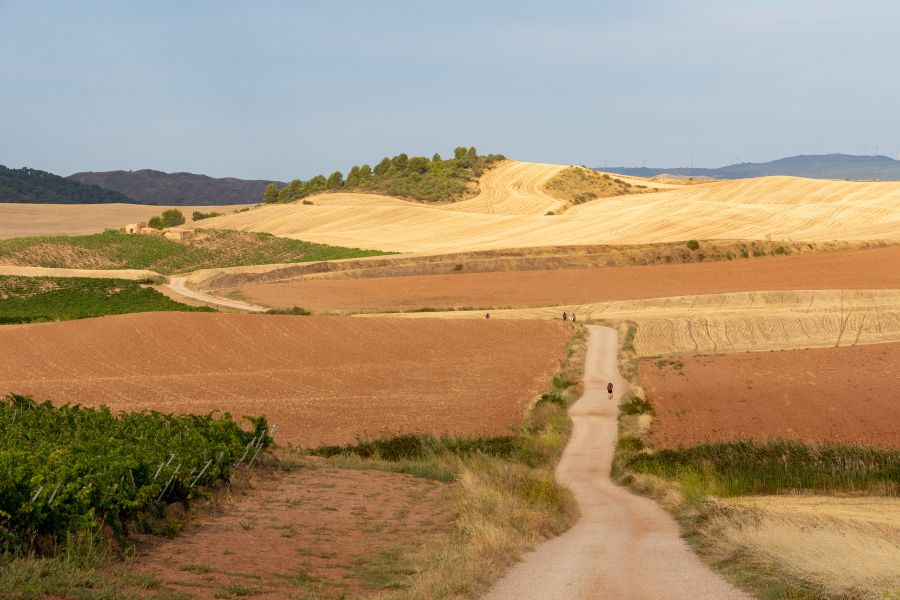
155,187
816,166
41,187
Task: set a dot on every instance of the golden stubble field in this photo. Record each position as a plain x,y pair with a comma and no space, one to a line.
26,220
511,212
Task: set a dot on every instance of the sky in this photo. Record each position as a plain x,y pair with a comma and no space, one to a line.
283,90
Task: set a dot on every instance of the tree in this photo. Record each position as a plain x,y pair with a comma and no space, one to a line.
459,153
316,184
295,189
172,217
417,164
335,180
353,176
271,193
400,161
382,167
365,172
436,158
472,154
156,223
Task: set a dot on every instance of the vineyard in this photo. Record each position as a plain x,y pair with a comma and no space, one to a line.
67,469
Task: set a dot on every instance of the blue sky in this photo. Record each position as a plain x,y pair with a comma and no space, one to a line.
291,89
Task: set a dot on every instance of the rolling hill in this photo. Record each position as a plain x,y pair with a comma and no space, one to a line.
147,186
40,187
816,166
510,212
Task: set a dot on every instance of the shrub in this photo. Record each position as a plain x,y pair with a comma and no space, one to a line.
199,216
156,223
693,245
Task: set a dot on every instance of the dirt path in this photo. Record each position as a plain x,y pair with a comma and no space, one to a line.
624,546
178,287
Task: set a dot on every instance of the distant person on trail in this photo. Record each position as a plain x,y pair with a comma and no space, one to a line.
574,318
487,316
609,389
565,316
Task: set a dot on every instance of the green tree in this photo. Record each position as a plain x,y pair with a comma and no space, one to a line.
400,161
459,153
316,184
436,158
417,164
156,223
271,193
472,155
353,178
365,172
335,180
294,189
382,167
172,217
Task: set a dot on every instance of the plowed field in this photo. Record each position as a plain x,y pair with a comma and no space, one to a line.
320,380
877,268
829,394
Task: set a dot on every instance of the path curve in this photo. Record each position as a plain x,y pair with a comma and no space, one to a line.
624,547
178,286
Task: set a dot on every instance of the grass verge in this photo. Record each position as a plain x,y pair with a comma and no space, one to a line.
505,496
775,555
34,299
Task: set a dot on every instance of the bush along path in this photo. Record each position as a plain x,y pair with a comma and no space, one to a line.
69,470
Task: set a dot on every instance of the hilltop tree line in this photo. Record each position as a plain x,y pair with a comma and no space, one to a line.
418,177
41,187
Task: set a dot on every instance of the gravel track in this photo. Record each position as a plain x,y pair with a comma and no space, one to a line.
624,546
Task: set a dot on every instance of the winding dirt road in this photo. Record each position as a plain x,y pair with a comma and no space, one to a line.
624,547
178,287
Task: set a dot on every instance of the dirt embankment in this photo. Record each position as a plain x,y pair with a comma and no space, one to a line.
822,395
876,268
321,380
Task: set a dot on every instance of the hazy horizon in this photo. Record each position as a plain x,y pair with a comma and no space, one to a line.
278,90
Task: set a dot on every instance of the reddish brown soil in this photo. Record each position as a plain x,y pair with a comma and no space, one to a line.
877,268
319,379
847,394
317,532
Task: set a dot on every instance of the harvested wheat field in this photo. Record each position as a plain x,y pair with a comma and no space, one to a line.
27,220
877,268
510,214
849,547
744,321
320,380
823,395
310,533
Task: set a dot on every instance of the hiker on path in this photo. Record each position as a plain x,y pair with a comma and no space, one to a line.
565,316
609,389
487,316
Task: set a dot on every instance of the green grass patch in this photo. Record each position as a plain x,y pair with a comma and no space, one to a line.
208,249
745,468
33,299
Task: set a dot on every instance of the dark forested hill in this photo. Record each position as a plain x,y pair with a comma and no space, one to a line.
155,187
41,187
816,166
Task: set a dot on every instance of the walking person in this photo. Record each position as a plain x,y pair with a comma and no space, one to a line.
487,316
565,316
609,389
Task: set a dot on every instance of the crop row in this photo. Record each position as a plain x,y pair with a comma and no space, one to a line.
67,468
